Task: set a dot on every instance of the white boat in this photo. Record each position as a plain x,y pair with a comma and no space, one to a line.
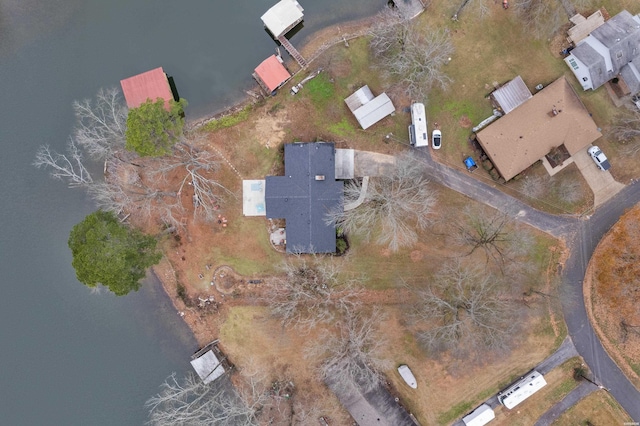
408,376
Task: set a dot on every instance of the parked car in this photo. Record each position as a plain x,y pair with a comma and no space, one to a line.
436,139
599,158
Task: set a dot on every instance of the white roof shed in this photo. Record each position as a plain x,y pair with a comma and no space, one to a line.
282,17
208,367
480,416
367,109
512,95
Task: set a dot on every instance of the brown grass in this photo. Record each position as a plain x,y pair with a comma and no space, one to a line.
599,408
606,304
492,50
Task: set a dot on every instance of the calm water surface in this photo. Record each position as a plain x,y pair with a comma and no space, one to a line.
70,357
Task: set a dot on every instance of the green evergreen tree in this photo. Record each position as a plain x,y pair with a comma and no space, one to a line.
152,129
109,253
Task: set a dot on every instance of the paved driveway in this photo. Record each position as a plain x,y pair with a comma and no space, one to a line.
602,183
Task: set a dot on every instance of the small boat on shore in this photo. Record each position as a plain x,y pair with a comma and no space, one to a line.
408,376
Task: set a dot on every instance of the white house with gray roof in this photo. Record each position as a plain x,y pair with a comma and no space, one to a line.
611,50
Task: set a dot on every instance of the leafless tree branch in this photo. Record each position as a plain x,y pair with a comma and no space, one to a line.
542,18
353,355
312,291
101,124
69,167
626,130
189,401
413,54
395,205
464,307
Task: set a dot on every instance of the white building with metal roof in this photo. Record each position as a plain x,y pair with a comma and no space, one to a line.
368,109
282,17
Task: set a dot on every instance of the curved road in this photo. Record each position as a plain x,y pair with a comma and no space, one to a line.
582,237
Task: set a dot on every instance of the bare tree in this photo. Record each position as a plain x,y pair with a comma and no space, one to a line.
189,401
486,229
353,355
150,187
542,18
463,309
312,291
566,189
626,130
101,124
68,167
412,53
532,186
198,167
394,205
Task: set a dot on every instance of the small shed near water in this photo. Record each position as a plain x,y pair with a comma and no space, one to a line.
271,74
209,363
282,17
368,109
149,85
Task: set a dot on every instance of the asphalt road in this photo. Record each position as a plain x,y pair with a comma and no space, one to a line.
582,237
584,242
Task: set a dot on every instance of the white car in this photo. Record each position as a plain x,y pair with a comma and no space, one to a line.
599,158
436,139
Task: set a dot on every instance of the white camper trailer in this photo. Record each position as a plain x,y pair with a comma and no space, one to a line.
522,389
418,129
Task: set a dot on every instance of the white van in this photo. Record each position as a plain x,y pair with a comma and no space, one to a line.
418,129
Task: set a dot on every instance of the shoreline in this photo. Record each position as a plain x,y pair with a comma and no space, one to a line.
312,47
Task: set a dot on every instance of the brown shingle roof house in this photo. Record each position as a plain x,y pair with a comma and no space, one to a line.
552,117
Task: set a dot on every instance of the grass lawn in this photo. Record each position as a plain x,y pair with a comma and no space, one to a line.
599,408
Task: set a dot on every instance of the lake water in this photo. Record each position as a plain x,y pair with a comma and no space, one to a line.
70,357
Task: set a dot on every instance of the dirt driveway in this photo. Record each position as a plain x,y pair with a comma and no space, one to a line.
603,185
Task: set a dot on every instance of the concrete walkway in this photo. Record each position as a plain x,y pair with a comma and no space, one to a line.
361,197
368,163
603,185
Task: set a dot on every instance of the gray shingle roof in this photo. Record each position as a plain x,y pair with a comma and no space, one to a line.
621,35
304,195
595,62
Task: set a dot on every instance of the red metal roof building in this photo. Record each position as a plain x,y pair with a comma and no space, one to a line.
148,85
271,74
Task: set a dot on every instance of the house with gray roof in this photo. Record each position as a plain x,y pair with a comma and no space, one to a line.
304,195
610,51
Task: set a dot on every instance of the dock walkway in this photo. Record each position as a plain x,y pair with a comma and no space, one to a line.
292,51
